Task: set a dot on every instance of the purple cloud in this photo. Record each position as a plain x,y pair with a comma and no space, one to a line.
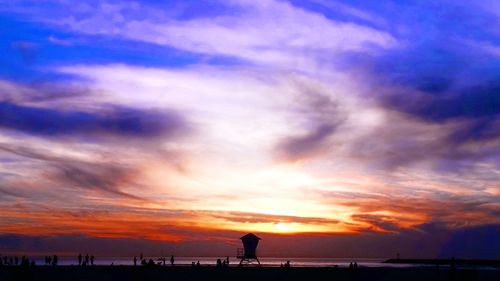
116,121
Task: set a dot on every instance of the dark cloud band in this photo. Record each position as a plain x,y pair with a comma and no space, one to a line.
117,121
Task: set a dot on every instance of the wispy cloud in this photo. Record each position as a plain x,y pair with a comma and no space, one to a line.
264,32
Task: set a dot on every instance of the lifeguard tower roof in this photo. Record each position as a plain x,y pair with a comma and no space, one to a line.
250,236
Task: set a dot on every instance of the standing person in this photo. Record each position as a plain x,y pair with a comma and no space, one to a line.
135,261
80,259
92,260
87,259
172,260
54,260
227,260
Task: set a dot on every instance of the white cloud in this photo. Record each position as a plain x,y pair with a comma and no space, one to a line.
349,10
264,32
484,46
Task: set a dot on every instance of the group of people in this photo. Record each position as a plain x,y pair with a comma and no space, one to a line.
151,262
162,261
353,265
51,260
223,262
84,261
13,261
286,264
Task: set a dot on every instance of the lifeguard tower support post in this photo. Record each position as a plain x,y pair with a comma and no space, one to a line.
249,252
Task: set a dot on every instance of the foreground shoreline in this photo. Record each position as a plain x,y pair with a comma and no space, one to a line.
126,273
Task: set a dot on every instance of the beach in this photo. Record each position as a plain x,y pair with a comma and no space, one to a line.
126,273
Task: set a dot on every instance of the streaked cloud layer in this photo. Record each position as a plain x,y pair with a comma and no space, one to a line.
163,121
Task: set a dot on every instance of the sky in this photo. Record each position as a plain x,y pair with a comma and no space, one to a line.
329,128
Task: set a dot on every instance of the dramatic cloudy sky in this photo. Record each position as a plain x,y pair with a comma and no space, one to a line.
327,125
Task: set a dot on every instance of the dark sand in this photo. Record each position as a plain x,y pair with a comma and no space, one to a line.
126,273
466,262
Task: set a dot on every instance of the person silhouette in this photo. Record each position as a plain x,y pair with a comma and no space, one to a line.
198,263
92,260
172,260
135,261
54,260
80,259
227,260
87,259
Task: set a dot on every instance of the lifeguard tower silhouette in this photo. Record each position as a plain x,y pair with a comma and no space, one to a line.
248,253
